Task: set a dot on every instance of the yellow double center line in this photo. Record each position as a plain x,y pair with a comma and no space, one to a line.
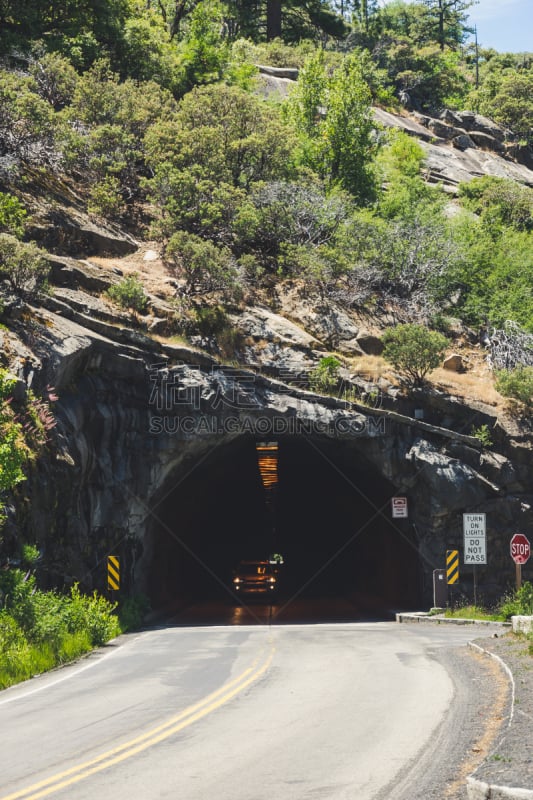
129,749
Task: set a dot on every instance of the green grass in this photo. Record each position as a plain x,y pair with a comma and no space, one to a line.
28,660
474,612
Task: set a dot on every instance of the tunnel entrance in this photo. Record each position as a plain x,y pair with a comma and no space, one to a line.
329,518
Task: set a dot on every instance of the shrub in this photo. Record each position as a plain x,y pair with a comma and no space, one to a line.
211,320
129,293
12,215
93,614
22,265
482,433
414,351
105,199
519,603
132,612
516,384
204,266
325,377
39,630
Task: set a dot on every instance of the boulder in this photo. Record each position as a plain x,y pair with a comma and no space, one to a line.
290,73
467,119
262,324
370,345
521,153
487,142
12,307
443,130
74,234
455,363
462,142
522,624
74,274
452,118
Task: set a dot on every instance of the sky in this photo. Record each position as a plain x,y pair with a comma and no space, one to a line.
505,25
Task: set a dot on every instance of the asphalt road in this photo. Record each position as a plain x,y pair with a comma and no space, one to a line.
249,712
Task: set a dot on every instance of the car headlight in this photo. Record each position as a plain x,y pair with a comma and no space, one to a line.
236,580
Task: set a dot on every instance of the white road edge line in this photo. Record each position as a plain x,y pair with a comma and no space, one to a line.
72,674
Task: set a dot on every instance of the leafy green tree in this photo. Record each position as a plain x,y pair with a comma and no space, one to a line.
26,120
499,202
105,199
282,222
203,266
406,195
364,11
509,287
55,79
293,20
80,29
12,215
205,52
512,104
424,76
505,91
147,53
22,265
220,142
446,21
414,351
103,142
399,19
334,116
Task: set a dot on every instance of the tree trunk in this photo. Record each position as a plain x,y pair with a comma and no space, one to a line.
441,25
273,19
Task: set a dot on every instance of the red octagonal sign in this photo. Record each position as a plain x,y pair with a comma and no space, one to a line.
520,548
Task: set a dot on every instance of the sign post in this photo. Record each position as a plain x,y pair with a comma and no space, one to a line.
475,543
520,553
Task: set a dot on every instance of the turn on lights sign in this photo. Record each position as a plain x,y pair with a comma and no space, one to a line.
475,540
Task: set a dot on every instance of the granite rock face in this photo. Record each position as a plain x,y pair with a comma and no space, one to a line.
132,421
461,146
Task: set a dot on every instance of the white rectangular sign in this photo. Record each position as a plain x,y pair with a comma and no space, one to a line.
399,507
475,539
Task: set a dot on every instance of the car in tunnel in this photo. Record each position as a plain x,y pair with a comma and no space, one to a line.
256,579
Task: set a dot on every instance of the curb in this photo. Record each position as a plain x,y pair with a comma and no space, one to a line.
477,789
422,617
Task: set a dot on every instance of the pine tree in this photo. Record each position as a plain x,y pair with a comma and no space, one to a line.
446,21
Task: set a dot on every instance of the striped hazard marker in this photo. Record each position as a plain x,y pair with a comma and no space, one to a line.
452,566
113,573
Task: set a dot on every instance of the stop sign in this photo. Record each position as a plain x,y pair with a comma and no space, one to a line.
520,548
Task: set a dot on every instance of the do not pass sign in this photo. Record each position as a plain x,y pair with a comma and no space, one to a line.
520,548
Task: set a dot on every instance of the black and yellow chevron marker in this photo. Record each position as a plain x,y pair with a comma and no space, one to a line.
113,573
452,566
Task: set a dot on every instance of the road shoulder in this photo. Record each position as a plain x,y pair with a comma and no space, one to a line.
508,771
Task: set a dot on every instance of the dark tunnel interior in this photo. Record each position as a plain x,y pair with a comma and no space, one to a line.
328,516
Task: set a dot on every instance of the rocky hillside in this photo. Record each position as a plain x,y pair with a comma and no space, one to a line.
109,364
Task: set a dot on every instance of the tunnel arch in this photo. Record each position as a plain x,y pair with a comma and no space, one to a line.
331,522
